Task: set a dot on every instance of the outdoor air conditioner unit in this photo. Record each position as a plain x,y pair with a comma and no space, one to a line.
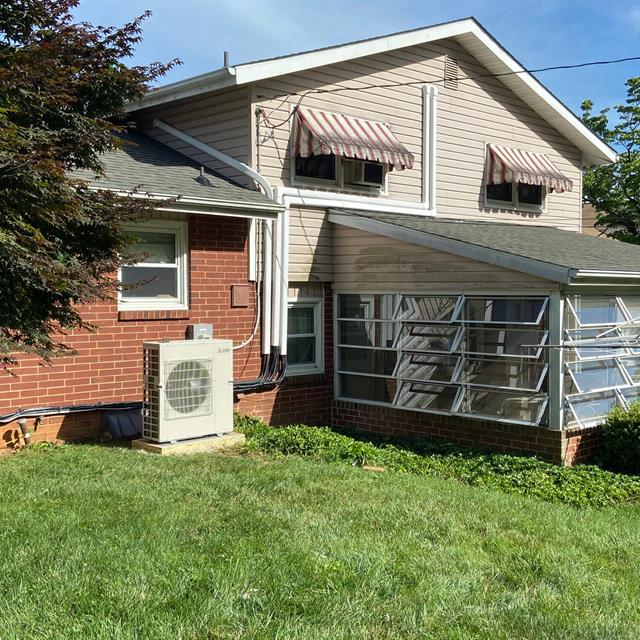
188,389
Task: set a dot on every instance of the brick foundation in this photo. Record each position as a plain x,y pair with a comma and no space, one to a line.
562,447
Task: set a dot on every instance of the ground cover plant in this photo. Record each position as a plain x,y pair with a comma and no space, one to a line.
108,543
582,486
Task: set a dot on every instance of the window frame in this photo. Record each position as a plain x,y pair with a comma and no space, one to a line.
339,184
541,393
179,229
317,367
515,204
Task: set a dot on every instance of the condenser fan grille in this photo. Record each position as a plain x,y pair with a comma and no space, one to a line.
187,388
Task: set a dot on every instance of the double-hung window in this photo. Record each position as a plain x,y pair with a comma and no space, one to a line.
159,280
304,337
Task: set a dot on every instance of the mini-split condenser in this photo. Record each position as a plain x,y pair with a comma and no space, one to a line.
188,389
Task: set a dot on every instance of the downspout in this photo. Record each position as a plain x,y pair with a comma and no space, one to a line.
272,261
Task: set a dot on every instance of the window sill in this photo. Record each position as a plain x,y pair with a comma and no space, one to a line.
305,377
503,207
341,191
125,315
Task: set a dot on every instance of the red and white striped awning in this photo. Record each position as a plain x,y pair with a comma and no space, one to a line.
505,164
323,133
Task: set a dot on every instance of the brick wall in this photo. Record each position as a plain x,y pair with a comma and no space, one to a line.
107,367
563,447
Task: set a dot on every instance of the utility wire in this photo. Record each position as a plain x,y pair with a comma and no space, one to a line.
390,85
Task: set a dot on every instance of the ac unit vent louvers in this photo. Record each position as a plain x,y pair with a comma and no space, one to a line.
188,389
451,73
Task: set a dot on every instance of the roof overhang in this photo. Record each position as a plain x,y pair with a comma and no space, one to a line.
201,206
468,32
537,268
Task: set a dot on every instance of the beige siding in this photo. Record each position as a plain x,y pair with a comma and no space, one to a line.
478,112
221,120
301,290
367,262
311,245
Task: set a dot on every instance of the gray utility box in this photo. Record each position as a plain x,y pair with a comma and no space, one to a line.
200,332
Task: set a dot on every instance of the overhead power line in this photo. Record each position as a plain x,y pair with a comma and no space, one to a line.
432,80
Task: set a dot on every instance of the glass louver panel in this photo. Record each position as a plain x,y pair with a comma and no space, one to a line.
502,373
428,308
372,306
596,310
367,334
372,361
587,344
590,409
359,387
433,397
503,341
506,405
503,310
592,375
427,337
427,367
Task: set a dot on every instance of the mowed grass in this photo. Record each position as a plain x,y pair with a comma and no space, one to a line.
110,543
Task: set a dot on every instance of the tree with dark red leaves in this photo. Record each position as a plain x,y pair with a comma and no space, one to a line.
63,86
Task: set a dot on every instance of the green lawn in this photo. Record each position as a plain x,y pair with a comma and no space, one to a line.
109,543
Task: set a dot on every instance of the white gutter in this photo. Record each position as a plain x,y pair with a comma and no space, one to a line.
271,309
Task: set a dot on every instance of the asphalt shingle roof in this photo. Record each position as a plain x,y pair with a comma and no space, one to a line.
567,249
155,168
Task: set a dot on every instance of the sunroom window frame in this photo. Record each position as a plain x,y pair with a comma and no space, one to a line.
179,229
454,321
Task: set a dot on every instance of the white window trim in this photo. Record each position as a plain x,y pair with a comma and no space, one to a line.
514,205
318,322
338,185
181,302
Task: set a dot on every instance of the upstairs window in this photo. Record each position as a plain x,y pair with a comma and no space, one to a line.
331,170
520,179
516,195
338,150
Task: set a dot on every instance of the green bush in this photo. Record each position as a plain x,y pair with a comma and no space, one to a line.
583,485
622,439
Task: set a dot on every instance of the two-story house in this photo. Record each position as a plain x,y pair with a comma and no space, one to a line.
396,219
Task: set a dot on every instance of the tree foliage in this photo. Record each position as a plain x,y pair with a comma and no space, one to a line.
614,190
63,86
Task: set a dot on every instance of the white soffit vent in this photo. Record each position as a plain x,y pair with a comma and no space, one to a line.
450,73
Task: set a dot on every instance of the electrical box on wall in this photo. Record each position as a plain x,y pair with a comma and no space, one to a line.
239,295
200,332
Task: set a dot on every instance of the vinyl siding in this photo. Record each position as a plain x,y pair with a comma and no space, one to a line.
221,120
368,262
310,245
480,111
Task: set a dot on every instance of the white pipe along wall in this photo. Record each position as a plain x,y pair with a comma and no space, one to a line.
275,292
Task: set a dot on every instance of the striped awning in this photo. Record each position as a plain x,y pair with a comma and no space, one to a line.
323,133
505,164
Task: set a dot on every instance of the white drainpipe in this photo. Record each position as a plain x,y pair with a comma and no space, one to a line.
272,260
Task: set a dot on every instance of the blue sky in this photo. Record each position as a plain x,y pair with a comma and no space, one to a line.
539,33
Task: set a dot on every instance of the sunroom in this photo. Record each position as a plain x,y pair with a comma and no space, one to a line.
519,324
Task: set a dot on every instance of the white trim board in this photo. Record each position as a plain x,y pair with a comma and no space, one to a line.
468,32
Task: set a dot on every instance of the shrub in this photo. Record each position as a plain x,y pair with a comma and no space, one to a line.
526,476
622,439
